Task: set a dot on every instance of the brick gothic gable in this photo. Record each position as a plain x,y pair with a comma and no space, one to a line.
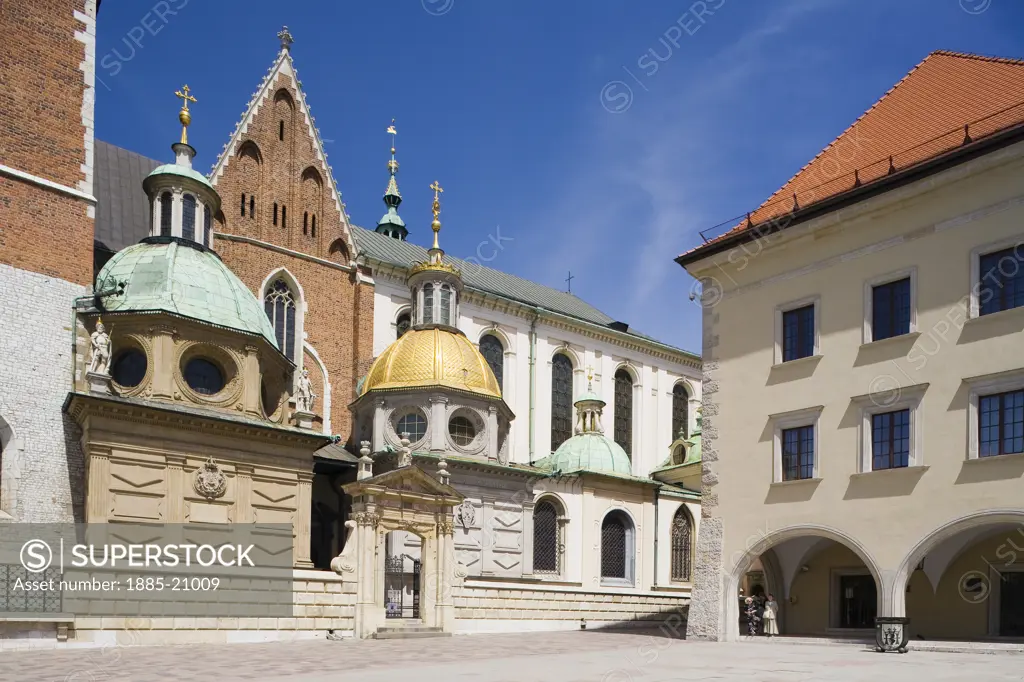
275,158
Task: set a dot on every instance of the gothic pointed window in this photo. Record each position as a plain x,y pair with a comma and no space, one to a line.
617,549
428,303
188,217
494,354
624,411
547,545
279,304
680,416
166,206
561,400
682,546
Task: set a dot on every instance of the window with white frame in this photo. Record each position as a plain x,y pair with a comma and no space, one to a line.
617,549
797,325
997,277
891,428
890,305
995,414
795,445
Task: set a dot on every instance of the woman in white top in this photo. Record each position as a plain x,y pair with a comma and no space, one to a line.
771,617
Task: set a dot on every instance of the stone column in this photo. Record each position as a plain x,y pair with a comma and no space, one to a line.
97,504
242,512
438,423
176,489
163,361
528,539
445,608
302,520
176,213
251,381
366,613
378,425
492,432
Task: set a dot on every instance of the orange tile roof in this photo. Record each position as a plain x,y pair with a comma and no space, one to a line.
921,117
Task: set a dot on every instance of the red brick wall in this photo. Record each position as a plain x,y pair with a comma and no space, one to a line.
339,311
41,133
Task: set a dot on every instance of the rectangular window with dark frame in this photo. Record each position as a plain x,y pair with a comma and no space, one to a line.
1001,281
798,453
890,309
890,440
798,333
1001,424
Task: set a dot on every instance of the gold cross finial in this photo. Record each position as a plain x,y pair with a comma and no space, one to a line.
184,115
436,225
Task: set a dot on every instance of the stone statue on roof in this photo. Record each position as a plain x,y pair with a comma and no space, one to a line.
99,360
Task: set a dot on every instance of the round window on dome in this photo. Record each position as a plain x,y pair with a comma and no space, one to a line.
414,424
129,368
203,376
461,430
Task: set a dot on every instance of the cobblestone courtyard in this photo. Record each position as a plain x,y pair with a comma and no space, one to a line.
548,657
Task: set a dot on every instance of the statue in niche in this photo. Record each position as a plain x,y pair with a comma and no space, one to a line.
99,360
304,395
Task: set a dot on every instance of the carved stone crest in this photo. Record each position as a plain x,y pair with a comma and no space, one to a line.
210,481
465,514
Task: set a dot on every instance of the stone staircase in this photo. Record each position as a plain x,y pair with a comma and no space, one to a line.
408,628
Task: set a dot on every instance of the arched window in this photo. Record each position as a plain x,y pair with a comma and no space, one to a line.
561,400
252,207
547,543
279,303
624,411
166,206
446,306
339,251
680,416
402,325
682,545
305,222
494,354
280,131
275,213
428,303
207,230
188,217
617,551
243,204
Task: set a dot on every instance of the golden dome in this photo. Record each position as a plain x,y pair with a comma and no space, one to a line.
432,357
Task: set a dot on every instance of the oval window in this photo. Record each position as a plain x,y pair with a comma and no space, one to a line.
461,430
415,424
129,368
203,376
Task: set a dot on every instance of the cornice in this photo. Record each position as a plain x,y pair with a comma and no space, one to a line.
285,251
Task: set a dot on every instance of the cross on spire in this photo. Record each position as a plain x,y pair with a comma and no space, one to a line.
436,208
569,280
285,36
184,115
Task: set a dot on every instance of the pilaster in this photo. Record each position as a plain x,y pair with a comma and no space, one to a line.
98,502
175,503
438,423
163,361
528,539
303,520
251,382
242,512
378,424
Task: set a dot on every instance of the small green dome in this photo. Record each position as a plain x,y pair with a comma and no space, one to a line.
391,218
589,396
591,451
183,171
183,278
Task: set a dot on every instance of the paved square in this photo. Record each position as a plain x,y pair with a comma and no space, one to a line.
591,656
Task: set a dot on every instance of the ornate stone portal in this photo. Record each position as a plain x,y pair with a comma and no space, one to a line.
406,499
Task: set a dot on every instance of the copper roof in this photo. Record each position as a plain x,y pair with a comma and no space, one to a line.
948,100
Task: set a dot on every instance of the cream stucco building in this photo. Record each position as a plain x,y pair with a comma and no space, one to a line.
864,374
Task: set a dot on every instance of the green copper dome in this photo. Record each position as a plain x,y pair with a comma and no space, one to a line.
183,171
183,278
590,451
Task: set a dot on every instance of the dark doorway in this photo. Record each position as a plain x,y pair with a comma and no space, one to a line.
858,600
401,577
1011,605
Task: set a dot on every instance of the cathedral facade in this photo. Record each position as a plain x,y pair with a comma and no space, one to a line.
456,449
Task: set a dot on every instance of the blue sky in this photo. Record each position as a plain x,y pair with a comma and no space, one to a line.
597,136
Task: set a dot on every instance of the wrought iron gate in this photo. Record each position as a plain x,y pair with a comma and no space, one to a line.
401,588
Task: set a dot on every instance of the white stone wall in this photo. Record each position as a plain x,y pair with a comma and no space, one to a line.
43,468
652,397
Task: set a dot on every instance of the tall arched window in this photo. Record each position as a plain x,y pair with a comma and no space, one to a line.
402,325
275,213
279,303
428,303
166,206
624,411
446,306
494,354
313,225
305,222
682,545
547,543
561,400
284,216
680,416
243,204
280,131
252,207
188,217
617,549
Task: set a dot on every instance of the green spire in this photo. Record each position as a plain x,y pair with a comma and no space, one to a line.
391,223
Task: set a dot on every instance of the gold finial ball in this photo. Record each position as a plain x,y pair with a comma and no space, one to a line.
392,150
185,117
436,225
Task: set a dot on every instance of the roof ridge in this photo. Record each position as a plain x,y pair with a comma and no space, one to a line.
848,128
978,57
